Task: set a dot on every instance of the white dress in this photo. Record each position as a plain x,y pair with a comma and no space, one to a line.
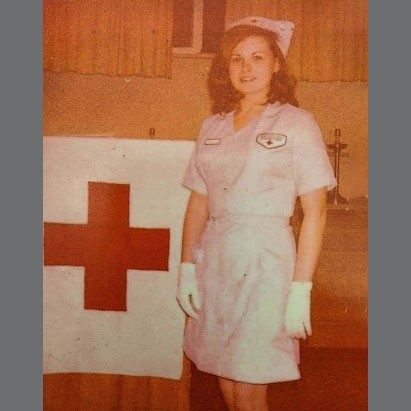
246,254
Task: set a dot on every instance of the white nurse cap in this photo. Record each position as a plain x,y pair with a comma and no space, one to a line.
283,28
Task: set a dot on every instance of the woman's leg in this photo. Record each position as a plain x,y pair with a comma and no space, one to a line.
250,397
227,388
260,400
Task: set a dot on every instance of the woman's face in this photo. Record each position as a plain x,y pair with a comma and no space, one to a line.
252,66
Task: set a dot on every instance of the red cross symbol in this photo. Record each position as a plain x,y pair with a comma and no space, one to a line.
106,247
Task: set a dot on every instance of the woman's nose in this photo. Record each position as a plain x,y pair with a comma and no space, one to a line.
246,66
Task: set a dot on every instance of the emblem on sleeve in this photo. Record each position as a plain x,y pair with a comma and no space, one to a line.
271,140
212,141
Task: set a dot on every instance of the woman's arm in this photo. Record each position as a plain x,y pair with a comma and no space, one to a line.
194,222
314,205
297,315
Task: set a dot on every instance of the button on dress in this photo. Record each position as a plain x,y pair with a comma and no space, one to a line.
246,254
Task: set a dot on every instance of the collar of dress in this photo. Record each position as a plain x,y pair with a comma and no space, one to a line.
270,111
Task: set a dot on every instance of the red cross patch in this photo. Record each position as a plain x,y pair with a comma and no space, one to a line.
271,140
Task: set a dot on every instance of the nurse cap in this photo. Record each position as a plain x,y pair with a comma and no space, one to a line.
283,28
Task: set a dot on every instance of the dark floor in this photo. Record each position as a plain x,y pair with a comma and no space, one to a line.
331,379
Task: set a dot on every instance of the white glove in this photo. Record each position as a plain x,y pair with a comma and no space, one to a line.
297,313
186,288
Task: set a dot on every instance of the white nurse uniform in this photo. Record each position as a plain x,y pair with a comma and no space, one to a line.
246,254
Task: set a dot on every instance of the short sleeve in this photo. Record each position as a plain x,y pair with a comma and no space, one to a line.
192,178
312,167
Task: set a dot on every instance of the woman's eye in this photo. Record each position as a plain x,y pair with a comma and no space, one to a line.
235,59
257,57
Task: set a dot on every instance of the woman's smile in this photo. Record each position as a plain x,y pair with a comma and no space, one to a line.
246,79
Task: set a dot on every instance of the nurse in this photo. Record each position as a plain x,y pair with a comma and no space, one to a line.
243,282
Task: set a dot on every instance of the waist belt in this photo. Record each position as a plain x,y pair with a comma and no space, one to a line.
251,218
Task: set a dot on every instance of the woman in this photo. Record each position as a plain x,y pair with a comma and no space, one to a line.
242,283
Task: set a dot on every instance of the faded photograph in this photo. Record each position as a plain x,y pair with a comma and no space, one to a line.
205,205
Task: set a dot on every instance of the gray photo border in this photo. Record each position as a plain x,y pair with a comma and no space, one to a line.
21,205
389,211
21,202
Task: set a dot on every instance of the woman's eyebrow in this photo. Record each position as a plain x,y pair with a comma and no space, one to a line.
254,52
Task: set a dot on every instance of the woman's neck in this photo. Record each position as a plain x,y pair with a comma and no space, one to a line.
251,104
245,107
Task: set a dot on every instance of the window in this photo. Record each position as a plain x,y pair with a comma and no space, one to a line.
197,25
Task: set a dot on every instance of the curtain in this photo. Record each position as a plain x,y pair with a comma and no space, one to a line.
330,38
111,37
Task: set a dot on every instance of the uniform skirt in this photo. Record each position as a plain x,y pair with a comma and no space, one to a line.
244,269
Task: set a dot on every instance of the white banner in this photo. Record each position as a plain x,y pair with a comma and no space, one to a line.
145,337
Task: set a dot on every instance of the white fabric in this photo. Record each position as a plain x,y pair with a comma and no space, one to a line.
245,257
272,190
283,28
147,338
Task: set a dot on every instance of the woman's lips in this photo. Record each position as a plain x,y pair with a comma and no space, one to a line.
246,79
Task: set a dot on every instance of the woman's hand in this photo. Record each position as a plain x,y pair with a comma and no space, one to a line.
297,319
194,222
187,290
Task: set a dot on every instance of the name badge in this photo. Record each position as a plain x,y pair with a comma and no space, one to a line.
271,140
212,141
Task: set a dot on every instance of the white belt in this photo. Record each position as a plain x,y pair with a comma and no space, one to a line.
250,219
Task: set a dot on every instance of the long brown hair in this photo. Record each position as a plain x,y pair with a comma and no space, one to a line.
223,95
